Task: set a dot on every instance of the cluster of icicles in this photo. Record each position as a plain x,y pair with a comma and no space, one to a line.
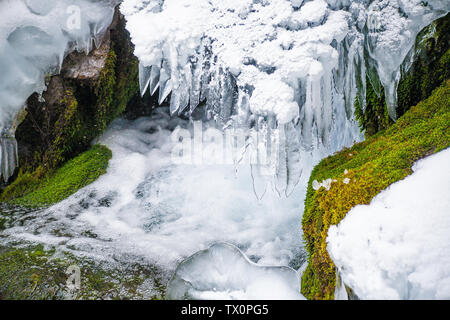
296,66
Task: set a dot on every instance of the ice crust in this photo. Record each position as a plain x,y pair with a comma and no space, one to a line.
398,247
279,58
35,36
223,272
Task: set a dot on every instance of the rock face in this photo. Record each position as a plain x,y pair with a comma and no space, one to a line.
79,66
79,103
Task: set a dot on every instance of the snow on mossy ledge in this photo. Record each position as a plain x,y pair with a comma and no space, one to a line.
398,247
32,190
372,165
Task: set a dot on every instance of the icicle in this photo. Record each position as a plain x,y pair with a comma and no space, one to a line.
228,88
174,102
289,169
154,79
196,81
308,115
184,88
165,83
144,78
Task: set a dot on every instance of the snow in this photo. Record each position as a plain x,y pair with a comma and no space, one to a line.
239,35
35,36
398,247
223,272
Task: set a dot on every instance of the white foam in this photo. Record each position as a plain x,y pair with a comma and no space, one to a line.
148,207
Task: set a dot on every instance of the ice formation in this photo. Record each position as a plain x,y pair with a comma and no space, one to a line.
276,63
286,65
279,58
223,272
398,247
35,36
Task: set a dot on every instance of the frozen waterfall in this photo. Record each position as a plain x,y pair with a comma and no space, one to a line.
265,62
296,65
280,58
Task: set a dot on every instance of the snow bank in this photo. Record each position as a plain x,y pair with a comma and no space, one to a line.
398,247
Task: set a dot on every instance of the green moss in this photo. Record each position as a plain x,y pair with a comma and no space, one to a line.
36,274
375,116
28,274
372,166
36,190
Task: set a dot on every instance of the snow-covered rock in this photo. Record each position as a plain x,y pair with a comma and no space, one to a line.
398,247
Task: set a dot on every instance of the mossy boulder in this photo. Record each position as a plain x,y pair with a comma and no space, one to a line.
370,167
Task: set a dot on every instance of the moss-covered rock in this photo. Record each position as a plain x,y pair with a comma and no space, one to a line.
375,116
370,167
79,103
430,68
